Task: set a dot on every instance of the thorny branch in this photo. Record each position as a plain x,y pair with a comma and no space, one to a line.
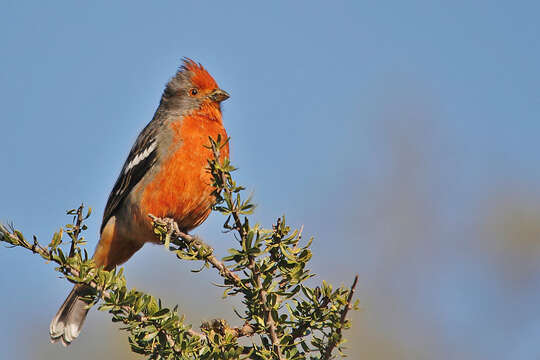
239,227
173,230
66,269
269,270
267,312
76,229
344,312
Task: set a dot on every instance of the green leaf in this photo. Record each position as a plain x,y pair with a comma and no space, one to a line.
150,336
160,313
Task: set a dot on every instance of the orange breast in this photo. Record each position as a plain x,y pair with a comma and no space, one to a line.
183,187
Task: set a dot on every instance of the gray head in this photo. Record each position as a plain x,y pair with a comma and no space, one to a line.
190,88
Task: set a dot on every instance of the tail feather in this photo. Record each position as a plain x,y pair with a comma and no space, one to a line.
68,321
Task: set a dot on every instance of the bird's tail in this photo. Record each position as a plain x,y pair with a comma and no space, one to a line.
68,321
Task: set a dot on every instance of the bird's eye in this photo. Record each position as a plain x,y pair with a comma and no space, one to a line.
193,92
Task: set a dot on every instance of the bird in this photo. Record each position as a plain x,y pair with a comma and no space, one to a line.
165,174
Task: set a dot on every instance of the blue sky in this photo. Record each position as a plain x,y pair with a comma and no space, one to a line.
399,134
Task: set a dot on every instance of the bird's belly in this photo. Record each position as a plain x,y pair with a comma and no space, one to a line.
183,192
181,188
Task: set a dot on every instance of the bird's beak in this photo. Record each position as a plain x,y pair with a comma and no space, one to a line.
218,95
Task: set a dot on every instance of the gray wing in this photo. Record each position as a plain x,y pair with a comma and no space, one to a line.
141,158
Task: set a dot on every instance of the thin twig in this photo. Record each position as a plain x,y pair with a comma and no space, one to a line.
262,293
174,230
198,244
263,298
268,316
76,230
344,312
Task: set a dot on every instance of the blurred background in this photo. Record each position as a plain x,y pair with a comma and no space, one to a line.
404,136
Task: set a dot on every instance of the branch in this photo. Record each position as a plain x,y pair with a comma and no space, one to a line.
344,312
174,231
247,330
268,269
267,311
76,230
15,237
224,183
239,227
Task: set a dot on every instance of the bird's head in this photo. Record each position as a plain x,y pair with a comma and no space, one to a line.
193,88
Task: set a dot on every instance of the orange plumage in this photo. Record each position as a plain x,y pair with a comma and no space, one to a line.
201,78
182,190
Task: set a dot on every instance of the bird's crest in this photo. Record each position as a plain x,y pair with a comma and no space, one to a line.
200,78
